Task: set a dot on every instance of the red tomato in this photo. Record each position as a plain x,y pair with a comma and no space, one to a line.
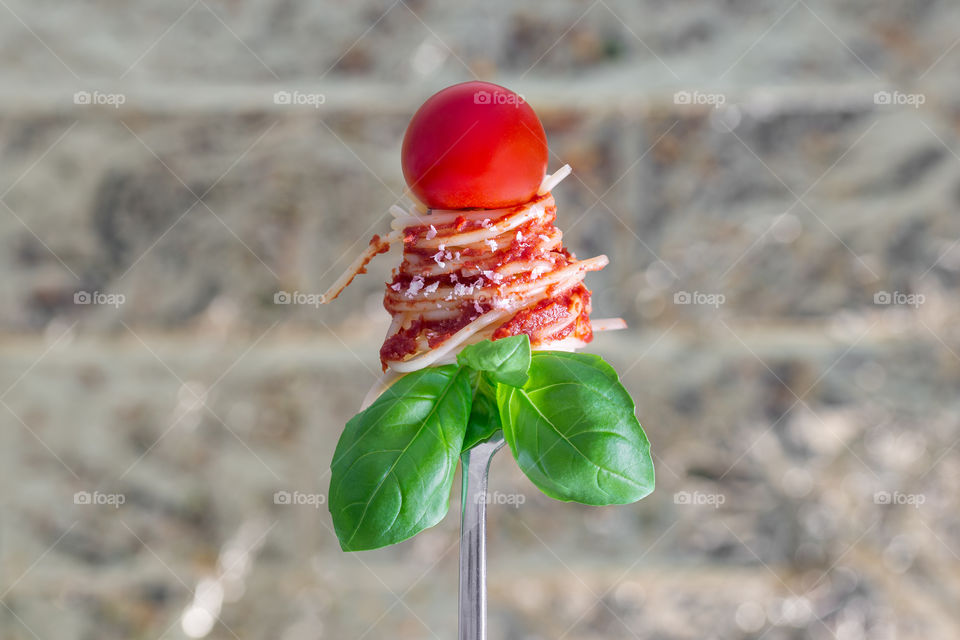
474,145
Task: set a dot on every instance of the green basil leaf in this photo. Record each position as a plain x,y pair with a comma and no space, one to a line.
506,360
484,419
573,431
393,467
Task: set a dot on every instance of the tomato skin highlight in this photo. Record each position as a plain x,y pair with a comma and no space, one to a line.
474,145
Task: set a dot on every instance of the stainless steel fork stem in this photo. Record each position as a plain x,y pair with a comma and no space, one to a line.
473,540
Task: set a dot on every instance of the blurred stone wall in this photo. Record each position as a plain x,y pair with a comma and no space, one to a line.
776,185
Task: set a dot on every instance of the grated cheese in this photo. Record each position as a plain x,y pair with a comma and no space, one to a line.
415,285
492,275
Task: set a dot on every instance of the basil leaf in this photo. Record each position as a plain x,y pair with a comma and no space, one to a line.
393,467
506,360
573,431
484,419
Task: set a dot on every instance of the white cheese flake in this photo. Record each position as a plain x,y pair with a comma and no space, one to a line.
477,307
486,224
492,275
395,286
519,237
415,285
432,233
492,244
430,288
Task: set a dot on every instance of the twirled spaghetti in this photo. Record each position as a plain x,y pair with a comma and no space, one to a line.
468,275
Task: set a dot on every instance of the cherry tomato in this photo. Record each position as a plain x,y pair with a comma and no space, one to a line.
474,145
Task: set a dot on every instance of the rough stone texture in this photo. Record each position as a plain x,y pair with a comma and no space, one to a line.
790,396
199,456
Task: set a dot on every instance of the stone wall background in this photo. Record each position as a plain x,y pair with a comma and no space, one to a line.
799,402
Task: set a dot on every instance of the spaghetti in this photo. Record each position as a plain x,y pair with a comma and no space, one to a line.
469,275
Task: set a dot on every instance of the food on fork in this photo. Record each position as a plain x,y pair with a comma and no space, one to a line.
488,308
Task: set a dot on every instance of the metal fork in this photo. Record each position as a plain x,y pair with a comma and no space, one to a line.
473,539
